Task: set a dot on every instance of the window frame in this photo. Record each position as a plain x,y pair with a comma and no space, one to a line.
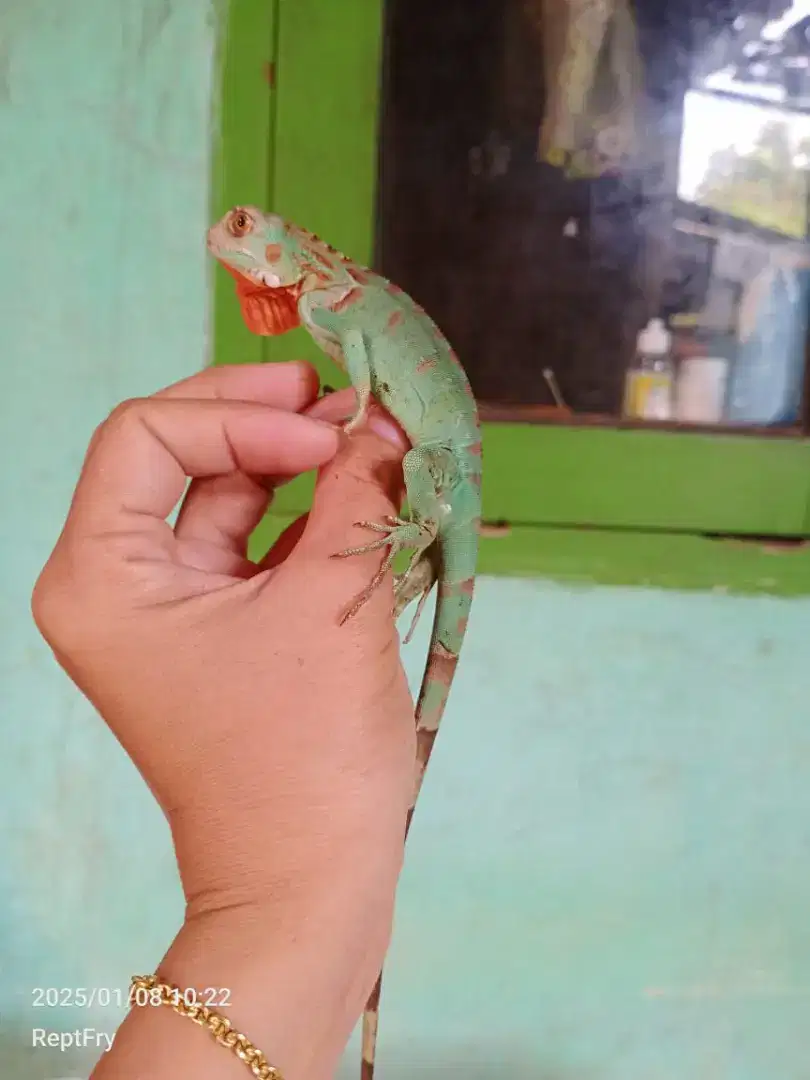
298,131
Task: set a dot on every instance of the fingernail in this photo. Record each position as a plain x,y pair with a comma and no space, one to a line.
338,406
388,429
336,428
336,434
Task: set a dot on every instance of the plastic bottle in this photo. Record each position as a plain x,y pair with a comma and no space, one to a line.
650,381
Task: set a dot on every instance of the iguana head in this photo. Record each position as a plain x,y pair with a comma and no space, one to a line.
267,263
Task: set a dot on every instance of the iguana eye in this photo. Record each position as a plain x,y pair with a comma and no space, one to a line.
240,223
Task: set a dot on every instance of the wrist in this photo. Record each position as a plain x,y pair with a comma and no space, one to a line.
287,855
293,976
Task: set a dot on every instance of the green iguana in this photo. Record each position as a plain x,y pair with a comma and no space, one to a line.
287,277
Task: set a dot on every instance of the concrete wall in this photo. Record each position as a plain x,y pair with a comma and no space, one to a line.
609,874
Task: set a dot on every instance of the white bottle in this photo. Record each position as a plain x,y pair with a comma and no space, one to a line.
650,382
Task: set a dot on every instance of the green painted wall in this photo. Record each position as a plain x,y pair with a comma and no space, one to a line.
609,874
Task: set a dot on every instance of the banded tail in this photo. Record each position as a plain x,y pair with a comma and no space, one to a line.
449,626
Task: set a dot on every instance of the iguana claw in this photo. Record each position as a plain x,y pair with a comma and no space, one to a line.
399,535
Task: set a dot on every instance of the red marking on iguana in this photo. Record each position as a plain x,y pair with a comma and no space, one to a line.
427,363
265,310
466,588
442,665
273,252
313,269
360,276
442,668
395,320
353,296
312,244
425,738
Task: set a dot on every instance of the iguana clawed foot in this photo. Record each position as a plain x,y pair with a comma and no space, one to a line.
398,535
417,581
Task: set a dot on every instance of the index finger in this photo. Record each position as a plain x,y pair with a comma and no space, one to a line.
143,454
291,385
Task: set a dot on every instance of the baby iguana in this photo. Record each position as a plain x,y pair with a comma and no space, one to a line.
287,277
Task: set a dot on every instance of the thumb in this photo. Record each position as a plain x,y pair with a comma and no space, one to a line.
363,482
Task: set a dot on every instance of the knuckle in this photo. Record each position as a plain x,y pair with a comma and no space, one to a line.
50,602
125,412
123,415
63,605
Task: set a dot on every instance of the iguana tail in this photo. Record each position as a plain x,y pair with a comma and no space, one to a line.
449,626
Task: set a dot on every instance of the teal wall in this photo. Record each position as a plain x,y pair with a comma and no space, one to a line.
609,872
104,160
609,876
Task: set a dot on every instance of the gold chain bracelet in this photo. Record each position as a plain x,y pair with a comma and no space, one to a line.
162,993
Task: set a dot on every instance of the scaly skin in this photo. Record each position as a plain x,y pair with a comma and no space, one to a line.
391,349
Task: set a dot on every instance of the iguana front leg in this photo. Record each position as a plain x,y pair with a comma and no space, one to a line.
358,368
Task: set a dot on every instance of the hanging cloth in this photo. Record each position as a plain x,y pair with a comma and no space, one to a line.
593,84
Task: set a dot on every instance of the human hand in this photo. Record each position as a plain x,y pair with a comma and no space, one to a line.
279,744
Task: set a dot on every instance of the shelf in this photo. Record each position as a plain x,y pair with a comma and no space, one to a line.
544,414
